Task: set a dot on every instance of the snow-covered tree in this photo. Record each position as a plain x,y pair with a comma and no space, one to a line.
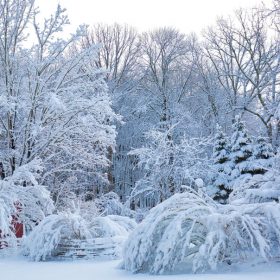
168,165
248,161
263,155
241,154
222,167
264,185
54,101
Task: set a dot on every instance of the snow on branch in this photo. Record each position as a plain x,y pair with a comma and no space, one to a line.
169,164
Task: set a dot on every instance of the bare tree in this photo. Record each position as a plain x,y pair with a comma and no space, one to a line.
167,68
246,61
118,53
207,92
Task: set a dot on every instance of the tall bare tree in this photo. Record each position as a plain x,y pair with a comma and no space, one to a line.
167,68
118,53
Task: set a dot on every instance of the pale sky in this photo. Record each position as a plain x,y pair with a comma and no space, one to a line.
185,15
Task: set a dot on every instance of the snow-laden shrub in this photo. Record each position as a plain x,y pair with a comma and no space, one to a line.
113,225
42,241
192,231
22,190
7,208
66,229
258,188
110,204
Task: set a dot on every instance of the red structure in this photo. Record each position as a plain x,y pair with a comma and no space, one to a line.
16,226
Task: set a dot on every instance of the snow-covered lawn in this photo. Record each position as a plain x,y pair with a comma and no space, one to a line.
15,269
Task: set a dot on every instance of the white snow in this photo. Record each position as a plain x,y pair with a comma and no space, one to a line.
15,269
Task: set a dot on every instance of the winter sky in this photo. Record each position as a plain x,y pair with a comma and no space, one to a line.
185,15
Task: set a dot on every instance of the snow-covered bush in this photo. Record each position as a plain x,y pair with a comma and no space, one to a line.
240,165
110,204
168,164
66,229
48,234
190,230
23,198
112,225
257,189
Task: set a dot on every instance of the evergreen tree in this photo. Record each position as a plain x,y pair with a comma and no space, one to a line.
222,166
262,155
263,183
242,150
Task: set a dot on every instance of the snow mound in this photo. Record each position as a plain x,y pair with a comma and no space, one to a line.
192,231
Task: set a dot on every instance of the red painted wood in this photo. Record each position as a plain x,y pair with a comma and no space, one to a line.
16,226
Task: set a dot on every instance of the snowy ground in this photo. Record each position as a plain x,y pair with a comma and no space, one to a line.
107,270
